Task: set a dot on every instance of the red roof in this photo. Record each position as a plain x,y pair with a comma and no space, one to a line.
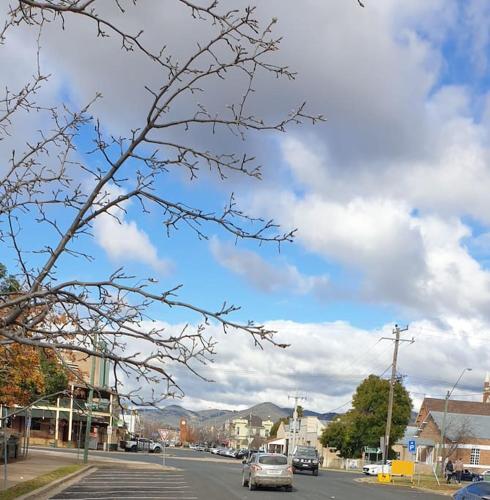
453,406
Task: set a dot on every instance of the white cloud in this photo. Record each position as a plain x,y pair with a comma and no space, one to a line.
123,240
418,263
383,188
265,276
327,361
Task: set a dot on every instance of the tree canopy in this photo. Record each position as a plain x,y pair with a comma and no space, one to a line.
365,423
26,372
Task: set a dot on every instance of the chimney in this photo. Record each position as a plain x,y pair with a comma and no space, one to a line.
486,389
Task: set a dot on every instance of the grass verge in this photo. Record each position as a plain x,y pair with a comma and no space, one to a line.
38,482
424,482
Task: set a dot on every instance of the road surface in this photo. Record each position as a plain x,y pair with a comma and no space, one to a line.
206,477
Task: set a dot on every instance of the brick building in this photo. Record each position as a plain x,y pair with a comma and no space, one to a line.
467,431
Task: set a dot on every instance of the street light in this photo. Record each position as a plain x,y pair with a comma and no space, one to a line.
443,427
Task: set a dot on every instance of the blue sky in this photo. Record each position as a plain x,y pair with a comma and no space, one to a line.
389,195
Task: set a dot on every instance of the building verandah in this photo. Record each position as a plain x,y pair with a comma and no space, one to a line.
62,422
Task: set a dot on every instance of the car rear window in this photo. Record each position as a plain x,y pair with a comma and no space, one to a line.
273,460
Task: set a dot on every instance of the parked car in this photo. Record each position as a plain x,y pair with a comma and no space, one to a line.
196,447
141,444
267,469
375,469
471,476
305,458
475,491
241,454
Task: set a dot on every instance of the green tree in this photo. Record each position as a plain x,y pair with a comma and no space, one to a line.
54,374
366,422
8,283
300,411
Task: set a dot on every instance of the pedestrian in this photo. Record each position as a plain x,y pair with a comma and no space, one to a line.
458,468
449,471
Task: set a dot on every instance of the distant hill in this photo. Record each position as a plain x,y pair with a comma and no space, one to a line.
171,415
263,410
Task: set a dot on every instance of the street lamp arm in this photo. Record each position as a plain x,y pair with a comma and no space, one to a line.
443,426
457,382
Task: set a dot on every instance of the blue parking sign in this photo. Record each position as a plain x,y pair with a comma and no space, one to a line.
411,446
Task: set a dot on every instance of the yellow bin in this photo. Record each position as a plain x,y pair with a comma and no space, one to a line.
384,478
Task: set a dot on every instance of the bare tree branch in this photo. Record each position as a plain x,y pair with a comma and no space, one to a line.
66,190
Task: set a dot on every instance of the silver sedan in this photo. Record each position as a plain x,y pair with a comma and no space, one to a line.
267,469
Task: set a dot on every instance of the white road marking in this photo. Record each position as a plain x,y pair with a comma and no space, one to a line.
145,497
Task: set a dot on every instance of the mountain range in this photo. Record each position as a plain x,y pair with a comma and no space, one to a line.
171,415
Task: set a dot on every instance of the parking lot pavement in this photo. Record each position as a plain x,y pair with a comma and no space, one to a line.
129,484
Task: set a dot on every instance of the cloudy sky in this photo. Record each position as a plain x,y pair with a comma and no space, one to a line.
389,195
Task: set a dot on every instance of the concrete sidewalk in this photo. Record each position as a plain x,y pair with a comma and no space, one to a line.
36,464
40,462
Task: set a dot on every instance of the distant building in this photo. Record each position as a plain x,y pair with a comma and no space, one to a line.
467,431
249,432
308,433
131,420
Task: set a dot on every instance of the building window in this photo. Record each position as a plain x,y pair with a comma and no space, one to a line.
238,431
475,456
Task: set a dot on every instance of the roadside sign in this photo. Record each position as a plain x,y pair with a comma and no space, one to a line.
163,436
412,448
402,468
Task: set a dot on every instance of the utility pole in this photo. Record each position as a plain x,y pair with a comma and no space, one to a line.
397,330
90,402
295,420
249,434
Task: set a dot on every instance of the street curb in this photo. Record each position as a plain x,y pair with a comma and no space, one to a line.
348,471
70,478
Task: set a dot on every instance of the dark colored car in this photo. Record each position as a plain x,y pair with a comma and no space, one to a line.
305,458
467,475
241,454
474,491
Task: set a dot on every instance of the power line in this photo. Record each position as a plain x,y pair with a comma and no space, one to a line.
351,400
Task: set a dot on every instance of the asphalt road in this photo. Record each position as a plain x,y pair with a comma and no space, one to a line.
207,477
